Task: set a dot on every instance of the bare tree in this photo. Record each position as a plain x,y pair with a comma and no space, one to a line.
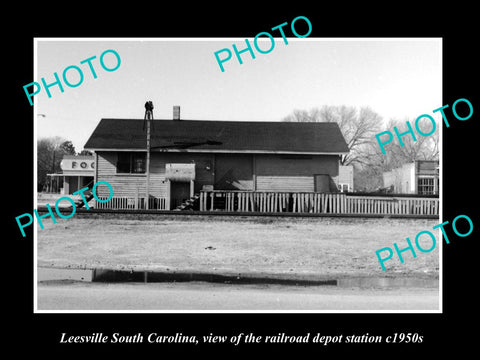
358,127
374,163
50,153
423,148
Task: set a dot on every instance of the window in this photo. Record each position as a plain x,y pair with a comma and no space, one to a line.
426,186
343,187
131,163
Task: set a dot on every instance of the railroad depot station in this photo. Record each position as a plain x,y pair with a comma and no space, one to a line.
212,162
241,166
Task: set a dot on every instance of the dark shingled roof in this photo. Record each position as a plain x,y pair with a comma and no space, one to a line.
222,136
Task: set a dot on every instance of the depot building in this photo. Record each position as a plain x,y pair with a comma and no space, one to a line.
189,156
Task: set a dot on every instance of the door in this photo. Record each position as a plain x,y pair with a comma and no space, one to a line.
322,183
179,192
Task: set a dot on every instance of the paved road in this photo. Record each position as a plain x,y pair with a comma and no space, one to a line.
208,296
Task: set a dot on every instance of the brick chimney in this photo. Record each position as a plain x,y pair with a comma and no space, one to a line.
176,112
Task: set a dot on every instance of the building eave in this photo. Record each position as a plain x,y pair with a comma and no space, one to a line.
222,151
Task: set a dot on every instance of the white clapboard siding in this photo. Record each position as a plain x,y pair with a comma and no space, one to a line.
285,183
128,185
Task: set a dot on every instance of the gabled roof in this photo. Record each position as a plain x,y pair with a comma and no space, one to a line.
219,136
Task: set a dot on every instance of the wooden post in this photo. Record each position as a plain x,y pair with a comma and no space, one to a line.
168,199
254,172
66,186
147,185
136,198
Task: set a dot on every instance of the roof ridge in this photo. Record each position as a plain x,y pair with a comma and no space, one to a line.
226,121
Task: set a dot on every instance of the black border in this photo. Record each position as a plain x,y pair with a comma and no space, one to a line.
456,25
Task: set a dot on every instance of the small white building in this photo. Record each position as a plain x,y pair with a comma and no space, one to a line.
345,178
77,173
419,177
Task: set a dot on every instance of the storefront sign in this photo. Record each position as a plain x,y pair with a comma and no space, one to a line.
78,164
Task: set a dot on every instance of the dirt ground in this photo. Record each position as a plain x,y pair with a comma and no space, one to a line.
325,246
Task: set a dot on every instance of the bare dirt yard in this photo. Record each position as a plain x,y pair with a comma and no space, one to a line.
240,244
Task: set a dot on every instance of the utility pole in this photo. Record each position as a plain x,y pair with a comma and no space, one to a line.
147,123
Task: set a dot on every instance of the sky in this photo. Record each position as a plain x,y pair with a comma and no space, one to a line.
397,78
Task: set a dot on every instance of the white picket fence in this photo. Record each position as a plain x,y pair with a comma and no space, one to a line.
326,203
130,203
